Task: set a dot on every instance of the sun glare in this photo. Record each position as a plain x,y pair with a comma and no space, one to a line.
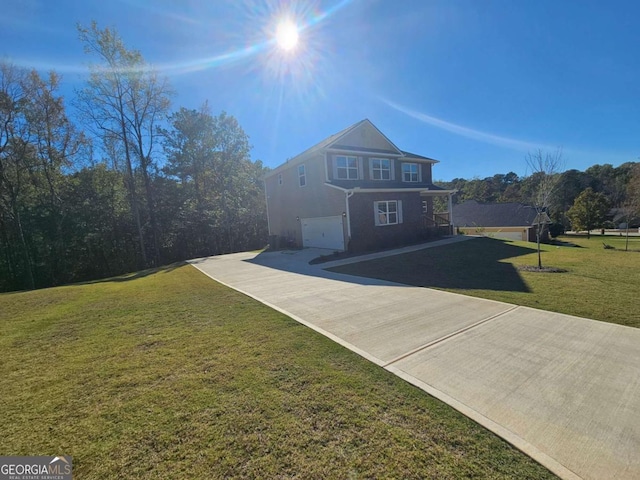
287,35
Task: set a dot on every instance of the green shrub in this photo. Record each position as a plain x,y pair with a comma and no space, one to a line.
556,229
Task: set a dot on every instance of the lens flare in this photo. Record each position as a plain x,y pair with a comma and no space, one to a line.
287,35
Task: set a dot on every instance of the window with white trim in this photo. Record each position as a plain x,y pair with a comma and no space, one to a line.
380,169
302,176
387,212
346,167
410,172
279,179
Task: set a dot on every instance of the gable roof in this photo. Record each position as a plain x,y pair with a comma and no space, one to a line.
378,144
331,139
318,146
476,214
332,143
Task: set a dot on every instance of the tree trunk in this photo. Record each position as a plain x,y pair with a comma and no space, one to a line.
538,242
23,243
136,212
626,243
152,214
8,253
132,191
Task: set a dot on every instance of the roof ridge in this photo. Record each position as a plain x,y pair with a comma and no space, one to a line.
328,140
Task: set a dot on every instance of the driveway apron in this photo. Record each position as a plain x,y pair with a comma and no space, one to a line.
564,390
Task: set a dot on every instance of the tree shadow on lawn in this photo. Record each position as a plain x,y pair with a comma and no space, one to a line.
472,265
136,275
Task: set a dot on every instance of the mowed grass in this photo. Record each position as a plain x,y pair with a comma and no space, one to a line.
168,374
602,284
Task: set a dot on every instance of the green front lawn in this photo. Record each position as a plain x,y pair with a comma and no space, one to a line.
599,283
167,374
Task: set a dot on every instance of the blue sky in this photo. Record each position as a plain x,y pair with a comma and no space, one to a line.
475,84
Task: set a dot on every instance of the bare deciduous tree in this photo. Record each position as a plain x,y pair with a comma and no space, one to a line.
545,169
17,157
123,101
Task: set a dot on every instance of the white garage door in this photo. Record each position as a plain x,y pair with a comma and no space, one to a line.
323,232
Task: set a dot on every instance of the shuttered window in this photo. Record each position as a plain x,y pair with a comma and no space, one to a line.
346,168
387,212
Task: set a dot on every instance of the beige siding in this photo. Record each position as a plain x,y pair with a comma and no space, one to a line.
289,201
366,136
508,233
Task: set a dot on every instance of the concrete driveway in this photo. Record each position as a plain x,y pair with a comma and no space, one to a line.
563,389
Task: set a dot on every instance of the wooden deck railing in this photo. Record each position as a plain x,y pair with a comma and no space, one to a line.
436,220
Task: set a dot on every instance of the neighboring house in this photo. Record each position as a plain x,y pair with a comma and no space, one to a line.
512,221
353,191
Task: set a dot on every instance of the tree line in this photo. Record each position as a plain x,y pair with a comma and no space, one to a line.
128,185
601,196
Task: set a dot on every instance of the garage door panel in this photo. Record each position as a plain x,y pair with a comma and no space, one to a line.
323,232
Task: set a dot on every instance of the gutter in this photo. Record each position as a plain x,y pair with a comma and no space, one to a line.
381,190
266,201
347,196
346,201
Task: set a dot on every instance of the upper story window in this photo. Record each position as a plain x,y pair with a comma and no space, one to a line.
279,179
346,167
410,172
302,176
380,169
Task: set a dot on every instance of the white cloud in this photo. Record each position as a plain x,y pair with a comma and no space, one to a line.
485,137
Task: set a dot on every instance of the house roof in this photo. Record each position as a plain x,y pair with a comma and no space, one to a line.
331,142
410,155
330,139
476,214
349,148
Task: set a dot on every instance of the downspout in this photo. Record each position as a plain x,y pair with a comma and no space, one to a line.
326,168
450,206
266,201
349,194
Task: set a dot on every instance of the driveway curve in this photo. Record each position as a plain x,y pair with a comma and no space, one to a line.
565,390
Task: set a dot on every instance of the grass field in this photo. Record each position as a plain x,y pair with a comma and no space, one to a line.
167,374
599,283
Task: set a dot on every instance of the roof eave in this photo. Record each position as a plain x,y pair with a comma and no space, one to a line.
363,152
421,190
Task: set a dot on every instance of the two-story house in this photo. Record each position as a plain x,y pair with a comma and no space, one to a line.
354,191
